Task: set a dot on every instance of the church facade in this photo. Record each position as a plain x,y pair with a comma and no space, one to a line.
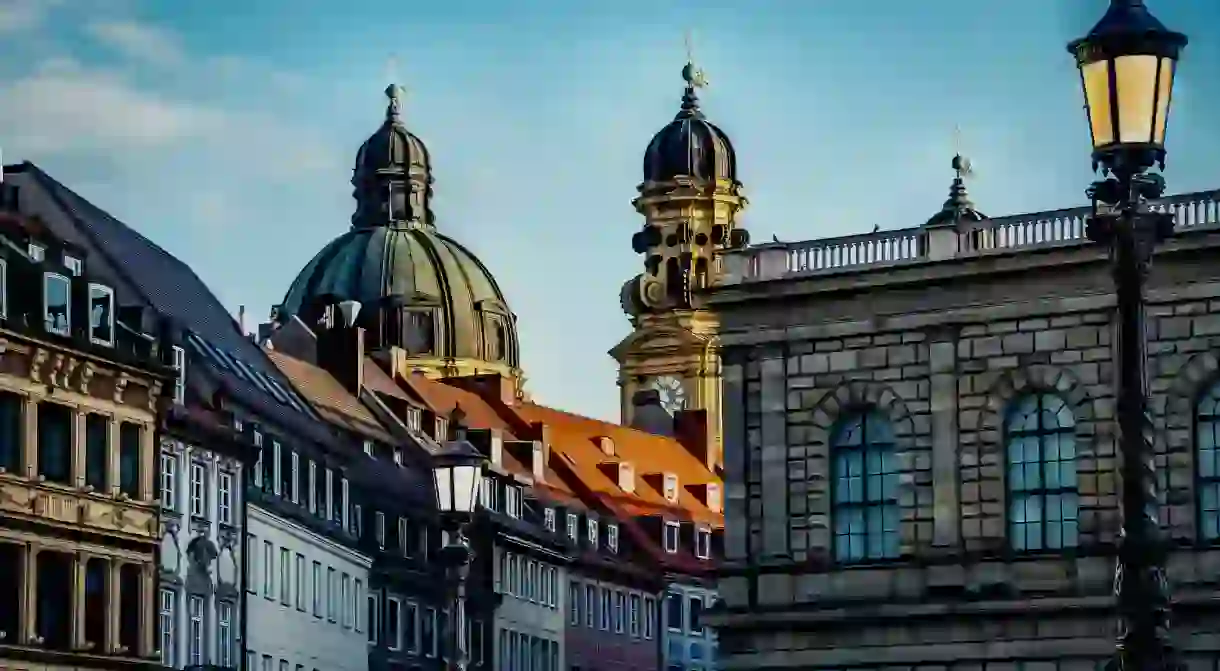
920,456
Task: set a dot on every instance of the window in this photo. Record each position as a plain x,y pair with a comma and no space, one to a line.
487,495
372,618
574,603
1207,463
864,488
696,615
344,502
73,265
357,521
603,621
195,633
393,623
55,442
224,498
329,494
572,524
199,491
166,624
331,588
169,469
428,632
317,589
650,616
180,377
3,289
591,525
37,253
12,427
512,501
313,487
57,306
590,605
511,586
411,624
673,611
379,528
620,612
345,601
368,447
300,582
224,632
405,538
285,576
266,662
101,314
703,543
296,478
130,438
1042,500
633,615
357,593
612,537
397,457
548,519
672,531
531,580
251,553
268,570
277,468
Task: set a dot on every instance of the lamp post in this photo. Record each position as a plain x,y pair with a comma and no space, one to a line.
1127,64
457,471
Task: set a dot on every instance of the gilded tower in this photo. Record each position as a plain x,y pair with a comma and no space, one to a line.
690,199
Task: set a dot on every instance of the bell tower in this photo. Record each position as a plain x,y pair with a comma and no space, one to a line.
690,199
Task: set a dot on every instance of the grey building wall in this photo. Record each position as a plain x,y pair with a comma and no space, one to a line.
941,346
688,644
530,620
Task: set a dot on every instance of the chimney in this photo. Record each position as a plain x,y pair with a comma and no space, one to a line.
540,457
606,445
649,416
340,346
690,428
241,320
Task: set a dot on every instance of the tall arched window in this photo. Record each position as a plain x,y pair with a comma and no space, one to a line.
865,488
1207,463
1042,499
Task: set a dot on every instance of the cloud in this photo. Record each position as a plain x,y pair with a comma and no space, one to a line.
22,15
62,107
139,41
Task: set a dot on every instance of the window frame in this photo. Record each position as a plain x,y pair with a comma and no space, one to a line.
1044,437
672,532
46,312
868,419
109,293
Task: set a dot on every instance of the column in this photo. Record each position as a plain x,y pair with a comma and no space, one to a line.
29,610
79,560
946,508
78,448
112,457
147,616
30,436
148,460
114,605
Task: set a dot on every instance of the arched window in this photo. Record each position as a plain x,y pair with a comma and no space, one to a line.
1207,463
865,488
1042,499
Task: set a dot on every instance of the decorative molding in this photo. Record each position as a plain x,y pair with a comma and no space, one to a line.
120,386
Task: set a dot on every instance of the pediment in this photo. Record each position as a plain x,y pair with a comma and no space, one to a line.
656,340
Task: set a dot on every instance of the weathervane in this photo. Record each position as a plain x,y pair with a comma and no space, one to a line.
693,75
961,164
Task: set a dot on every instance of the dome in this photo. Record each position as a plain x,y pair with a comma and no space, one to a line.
419,290
957,207
690,146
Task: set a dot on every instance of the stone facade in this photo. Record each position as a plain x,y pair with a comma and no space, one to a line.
941,347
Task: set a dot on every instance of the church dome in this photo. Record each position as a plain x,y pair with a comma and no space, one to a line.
418,289
958,207
690,145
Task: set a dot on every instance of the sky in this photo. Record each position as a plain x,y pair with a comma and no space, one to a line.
225,130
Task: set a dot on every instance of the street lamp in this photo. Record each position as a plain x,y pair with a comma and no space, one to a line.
457,471
1127,66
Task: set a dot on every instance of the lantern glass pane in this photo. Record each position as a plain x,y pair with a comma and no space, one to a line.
465,487
1164,97
1136,79
1096,79
444,489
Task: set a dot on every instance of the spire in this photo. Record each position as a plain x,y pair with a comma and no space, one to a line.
695,79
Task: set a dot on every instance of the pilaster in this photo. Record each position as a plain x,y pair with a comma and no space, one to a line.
78,447
79,562
148,455
29,609
147,584
112,455
29,436
115,606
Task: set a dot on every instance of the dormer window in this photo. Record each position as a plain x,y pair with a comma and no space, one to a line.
512,501
671,487
548,519
38,253
101,314
73,264
573,522
180,377
442,429
413,418
488,494
397,457
671,537
612,537
57,308
368,448
592,532
703,543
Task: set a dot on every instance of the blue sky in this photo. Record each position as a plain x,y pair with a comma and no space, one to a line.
225,130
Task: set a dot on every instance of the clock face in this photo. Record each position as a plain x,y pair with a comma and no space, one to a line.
672,392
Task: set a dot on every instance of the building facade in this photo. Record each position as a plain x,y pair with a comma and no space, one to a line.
920,443
81,385
688,643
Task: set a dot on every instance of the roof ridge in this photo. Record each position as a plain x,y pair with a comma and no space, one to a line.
586,418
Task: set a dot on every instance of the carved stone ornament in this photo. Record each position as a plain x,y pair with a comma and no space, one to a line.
87,371
120,386
37,361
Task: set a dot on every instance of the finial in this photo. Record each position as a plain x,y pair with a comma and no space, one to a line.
694,78
961,164
395,93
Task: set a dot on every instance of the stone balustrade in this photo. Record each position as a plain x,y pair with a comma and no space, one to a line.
1002,235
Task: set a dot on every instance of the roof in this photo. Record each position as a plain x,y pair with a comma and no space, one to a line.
329,397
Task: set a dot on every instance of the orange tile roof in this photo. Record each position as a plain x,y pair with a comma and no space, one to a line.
331,399
575,438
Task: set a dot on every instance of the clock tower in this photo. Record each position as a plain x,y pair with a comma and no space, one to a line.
690,198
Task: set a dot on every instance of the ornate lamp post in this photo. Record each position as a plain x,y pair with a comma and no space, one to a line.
457,472
1127,65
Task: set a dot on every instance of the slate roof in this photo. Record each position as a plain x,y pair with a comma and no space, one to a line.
144,273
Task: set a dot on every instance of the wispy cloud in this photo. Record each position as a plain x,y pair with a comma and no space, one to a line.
22,15
139,41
